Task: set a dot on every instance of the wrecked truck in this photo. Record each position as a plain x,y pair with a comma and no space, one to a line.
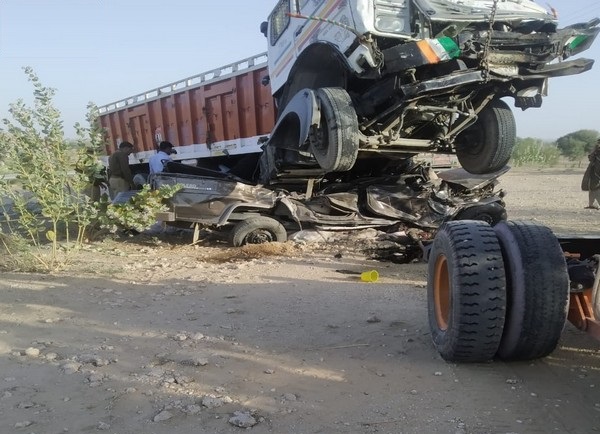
355,79
352,89
347,84
219,121
418,201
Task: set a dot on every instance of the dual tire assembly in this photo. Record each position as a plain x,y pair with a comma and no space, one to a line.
498,291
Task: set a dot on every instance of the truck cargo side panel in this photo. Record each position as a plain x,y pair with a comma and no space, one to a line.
157,120
202,116
184,118
248,111
199,123
117,127
214,116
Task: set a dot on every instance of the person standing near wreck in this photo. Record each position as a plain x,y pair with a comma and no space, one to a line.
591,178
157,161
120,177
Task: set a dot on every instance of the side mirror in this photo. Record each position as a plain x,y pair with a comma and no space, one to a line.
264,27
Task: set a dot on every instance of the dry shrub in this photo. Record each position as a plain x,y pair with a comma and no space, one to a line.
16,254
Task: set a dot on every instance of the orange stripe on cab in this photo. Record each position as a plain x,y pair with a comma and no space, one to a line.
427,51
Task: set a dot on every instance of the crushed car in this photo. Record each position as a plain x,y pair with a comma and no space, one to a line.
357,79
419,199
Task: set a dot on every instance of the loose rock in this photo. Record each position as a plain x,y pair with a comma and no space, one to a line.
70,367
23,424
242,419
192,409
211,401
32,352
51,356
290,397
162,416
102,426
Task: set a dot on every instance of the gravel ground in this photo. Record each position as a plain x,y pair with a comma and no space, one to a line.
552,197
152,337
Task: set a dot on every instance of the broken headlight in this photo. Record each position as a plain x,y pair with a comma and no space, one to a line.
389,24
391,16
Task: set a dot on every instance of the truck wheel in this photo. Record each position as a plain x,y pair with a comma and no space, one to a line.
257,230
538,290
486,146
466,291
491,213
335,142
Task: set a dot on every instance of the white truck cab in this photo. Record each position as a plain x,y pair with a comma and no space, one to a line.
355,79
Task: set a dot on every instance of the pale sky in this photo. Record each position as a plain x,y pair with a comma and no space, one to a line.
107,50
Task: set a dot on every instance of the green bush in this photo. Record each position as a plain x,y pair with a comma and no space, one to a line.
139,212
534,152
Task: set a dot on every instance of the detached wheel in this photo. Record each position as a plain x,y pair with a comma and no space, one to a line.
486,146
466,292
334,143
257,230
538,290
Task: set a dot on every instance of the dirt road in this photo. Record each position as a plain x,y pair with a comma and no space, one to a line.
147,337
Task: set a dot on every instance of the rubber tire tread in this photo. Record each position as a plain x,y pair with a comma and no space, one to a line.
239,232
341,122
496,132
538,290
478,291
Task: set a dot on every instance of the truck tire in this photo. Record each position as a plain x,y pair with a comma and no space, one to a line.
334,143
257,230
538,290
466,291
486,146
491,213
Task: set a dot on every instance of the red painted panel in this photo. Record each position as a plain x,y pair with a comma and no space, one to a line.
235,107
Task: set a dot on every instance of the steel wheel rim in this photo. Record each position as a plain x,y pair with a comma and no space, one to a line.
259,236
442,293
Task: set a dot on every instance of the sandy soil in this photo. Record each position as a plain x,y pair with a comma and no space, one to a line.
149,336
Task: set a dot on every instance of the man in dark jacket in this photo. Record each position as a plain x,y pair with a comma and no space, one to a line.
120,176
591,178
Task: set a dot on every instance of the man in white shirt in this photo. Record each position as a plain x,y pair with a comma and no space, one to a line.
157,161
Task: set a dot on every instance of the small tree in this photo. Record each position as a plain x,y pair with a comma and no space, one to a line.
46,203
575,146
46,199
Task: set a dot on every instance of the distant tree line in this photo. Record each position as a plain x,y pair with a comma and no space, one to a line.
573,146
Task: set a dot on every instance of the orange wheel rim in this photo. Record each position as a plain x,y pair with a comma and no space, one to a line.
442,292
